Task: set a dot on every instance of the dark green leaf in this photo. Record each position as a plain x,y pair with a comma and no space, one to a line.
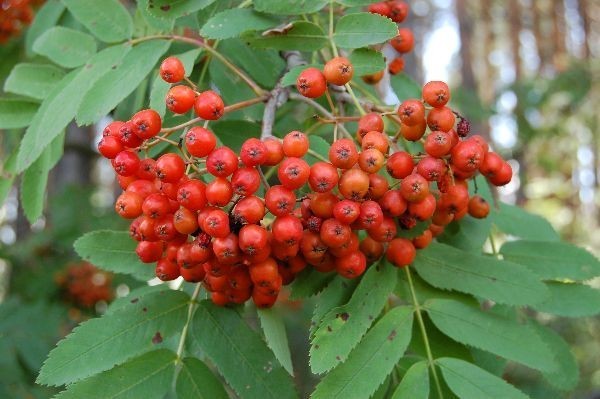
233,133
33,80
59,108
35,179
45,18
113,251
289,7
196,381
343,327
415,383
16,114
571,300
291,76
172,9
115,85
468,234
488,331
235,21
370,363
366,61
304,36
552,260
405,87
567,375
449,268
233,89
8,175
148,376
108,20
518,222
99,344
274,329
337,292
363,29
239,353
470,382
66,47
320,146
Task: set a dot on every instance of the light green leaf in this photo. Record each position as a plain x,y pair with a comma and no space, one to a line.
552,260
134,296
337,292
291,76
355,3
239,354
274,329
289,7
302,35
113,251
35,179
235,21
468,234
16,114
571,300
366,61
59,108
488,331
363,29
320,146
196,381
46,17
470,382
415,383
116,85
33,80
518,222
567,375
148,376
7,171
233,133
99,344
108,20
172,9
405,87
66,47
343,327
372,361
449,268
309,282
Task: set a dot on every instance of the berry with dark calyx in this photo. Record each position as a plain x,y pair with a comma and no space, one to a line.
209,106
346,211
404,42
343,154
398,11
354,184
200,141
192,194
219,192
323,177
437,144
411,112
126,163
129,205
351,265
253,152
396,66
376,140
414,188
311,83
146,123
401,252
280,200
338,71
400,165
127,136
166,270
423,240
467,156
245,181
295,144
371,122
479,208
172,70
293,173
415,132
170,168
436,93
222,162
441,119
180,99
216,224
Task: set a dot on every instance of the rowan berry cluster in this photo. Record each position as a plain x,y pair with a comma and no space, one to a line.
14,15
84,285
199,214
404,42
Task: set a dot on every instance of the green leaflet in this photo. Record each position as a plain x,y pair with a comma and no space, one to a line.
363,29
405,87
274,329
320,146
108,20
337,292
571,300
567,375
233,22
370,363
98,344
233,133
343,327
415,383
302,35
33,80
196,381
16,114
289,7
239,353
468,234
46,17
173,9
518,222
366,61
66,47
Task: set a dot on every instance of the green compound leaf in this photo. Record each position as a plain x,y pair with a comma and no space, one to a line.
488,331
196,381
233,22
552,260
289,7
108,20
59,108
16,114
337,292
518,222
33,80
113,251
571,300
99,344
240,354
363,29
468,381
366,61
343,327
449,268
303,36
415,383
66,47
116,85
372,361
148,376
274,329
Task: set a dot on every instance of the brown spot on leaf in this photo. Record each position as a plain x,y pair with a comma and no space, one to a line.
165,7
338,358
392,335
157,339
144,309
134,300
329,329
344,316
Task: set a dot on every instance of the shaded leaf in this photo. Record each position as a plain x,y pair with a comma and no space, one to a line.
567,375
233,89
518,222
415,383
274,329
235,21
366,61
302,35
468,234
108,20
263,65
233,133
363,29
571,300
66,47
16,114
320,146
172,9
405,87
33,80
196,381
289,7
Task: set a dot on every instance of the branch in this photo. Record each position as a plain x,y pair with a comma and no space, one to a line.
319,108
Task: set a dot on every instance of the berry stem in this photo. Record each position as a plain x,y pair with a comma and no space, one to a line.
191,307
493,244
263,178
318,107
333,46
317,155
423,332
355,100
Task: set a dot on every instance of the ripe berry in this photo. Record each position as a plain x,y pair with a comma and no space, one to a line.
209,106
295,144
200,141
287,229
467,156
338,71
504,175
396,66
437,144
399,11
401,252
180,99
424,209
216,224
323,177
146,123
322,204
191,194
354,184
311,83
382,8
334,233
172,70
274,151
370,215
351,265
432,169
371,160
222,162
400,165
441,119
371,248
343,154
185,221
129,205
253,152
219,192
112,129
110,146
375,140
164,228
436,93
293,173
252,238
415,132
392,203
249,210
170,168
478,207
245,181
127,136
126,163
378,186
280,200
149,251
423,240
385,231
411,112
146,170
373,78
227,253
414,188
166,270
346,211
369,123
156,205
404,42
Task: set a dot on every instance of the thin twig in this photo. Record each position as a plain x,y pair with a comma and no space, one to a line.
322,110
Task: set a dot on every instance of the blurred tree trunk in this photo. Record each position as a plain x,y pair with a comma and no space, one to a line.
487,90
514,21
586,24
559,35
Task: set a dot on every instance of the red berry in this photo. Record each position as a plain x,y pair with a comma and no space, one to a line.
436,93
110,146
209,106
200,141
222,162
478,207
295,144
398,11
180,99
323,177
146,123
354,184
216,224
414,188
129,205
396,66
411,112
219,192
253,152
437,144
400,164
343,154
172,70
293,173
245,181
351,265
126,163
274,151
404,42
401,252
338,71
170,168
311,83
280,200
192,194
441,119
